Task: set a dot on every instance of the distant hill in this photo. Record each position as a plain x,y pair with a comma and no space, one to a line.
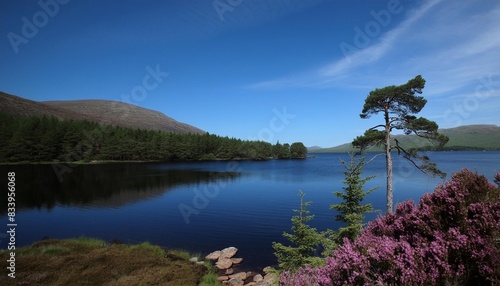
313,148
467,137
101,111
24,107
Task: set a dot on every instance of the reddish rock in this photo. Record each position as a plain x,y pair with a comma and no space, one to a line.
235,282
222,278
258,278
239,275
237,260
270,278
214,255
223,263
228,252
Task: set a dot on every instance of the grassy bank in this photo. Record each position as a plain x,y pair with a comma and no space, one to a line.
86,261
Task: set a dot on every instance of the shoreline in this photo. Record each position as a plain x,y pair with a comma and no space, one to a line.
40,264
96,162
81,250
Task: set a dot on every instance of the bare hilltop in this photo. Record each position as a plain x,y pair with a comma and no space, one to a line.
102,111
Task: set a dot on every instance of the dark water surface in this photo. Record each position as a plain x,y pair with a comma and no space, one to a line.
204,206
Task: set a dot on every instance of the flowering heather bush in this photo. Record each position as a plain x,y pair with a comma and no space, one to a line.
452,237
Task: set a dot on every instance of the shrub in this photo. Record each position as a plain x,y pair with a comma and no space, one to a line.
450,238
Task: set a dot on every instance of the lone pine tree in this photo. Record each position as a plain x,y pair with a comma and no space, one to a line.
398,104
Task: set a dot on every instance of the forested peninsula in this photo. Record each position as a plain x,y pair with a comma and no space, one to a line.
49,139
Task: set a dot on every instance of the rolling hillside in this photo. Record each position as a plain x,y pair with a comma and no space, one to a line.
101,111
24,107
486,137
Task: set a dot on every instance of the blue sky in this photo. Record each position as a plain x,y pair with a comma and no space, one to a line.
286,70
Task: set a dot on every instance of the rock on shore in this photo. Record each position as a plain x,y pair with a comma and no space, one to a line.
224,261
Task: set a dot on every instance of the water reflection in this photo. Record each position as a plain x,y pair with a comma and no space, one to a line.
104,185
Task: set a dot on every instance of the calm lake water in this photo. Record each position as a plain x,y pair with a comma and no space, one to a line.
204,206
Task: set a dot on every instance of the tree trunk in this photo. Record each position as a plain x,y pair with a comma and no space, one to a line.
388,161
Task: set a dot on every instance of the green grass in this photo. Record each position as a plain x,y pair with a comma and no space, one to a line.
88,261
87,241
148,249
53,250
184,254
210,279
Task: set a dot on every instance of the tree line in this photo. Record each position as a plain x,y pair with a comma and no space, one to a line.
47,139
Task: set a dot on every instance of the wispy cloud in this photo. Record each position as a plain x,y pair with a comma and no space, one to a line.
378,50
339,69
451,45
458,52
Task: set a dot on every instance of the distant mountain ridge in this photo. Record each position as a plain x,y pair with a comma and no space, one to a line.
102,111
313,148
467,137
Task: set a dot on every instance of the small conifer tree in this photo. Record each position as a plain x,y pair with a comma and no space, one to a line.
304,239
351,210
